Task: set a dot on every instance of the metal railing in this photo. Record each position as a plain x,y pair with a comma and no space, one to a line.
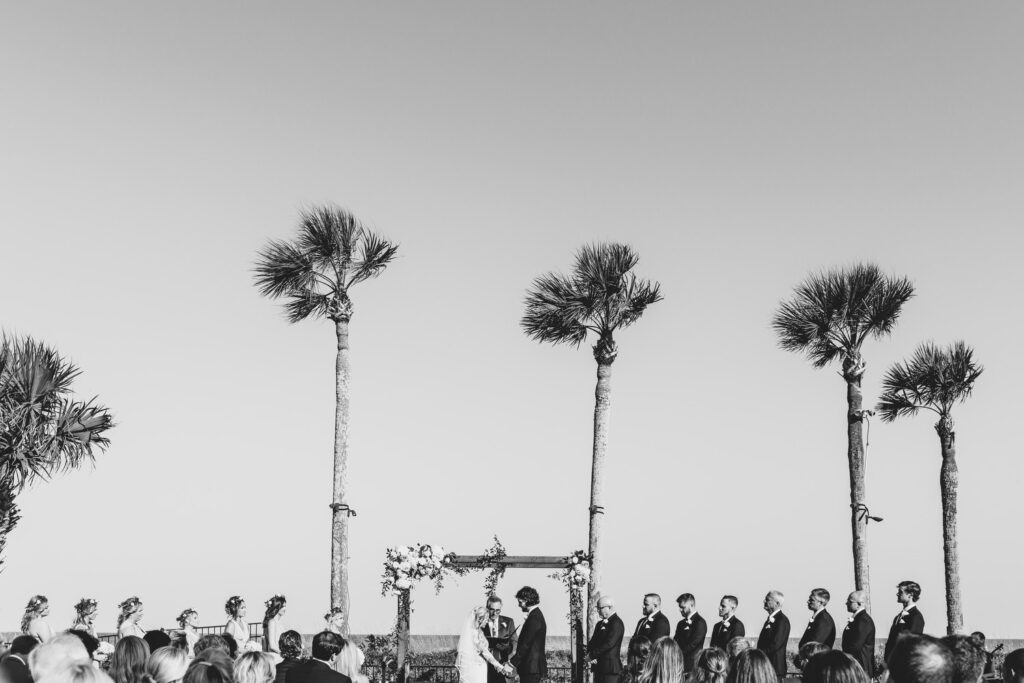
255,632
445,673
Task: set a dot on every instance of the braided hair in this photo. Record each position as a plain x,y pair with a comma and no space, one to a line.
129,607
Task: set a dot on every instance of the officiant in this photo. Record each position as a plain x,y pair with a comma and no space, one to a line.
499,631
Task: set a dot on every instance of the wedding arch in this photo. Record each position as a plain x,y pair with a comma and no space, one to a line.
405,566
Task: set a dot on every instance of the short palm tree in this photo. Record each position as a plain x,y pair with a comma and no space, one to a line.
599,297
313,274
43,430
936,379
828,319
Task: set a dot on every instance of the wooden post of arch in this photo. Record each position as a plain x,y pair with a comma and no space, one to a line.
402,630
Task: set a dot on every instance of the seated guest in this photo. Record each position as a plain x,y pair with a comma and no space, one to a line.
290,645
752,666
210,642
712,666
128,663
90,642
82,673
318,668
665,663
57,656
920,659
734,647
1013,667
15,664
232,645
166,665
834,666
156,640
968,658
254,667
979,639
210,666
636,656
806,651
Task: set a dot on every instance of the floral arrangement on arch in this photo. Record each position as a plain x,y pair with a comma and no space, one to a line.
577,571
406,565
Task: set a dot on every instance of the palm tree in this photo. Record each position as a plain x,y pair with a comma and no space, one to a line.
43,430
935,379
828,319
601,296
313,274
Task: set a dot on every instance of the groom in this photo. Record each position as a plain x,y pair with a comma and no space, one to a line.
530,660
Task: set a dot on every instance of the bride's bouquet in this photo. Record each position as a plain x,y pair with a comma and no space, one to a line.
406,565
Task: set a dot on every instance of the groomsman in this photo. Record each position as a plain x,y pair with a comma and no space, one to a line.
821,628
499,631
654,624
606,644
690,631
910,620
729,627
775,632
859,634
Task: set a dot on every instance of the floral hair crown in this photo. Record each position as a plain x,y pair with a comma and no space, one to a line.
231,606
130,605
275,600
85,605
183,617
35,602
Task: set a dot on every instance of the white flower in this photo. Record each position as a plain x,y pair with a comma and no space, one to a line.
439,551
403,584
575,559
402,551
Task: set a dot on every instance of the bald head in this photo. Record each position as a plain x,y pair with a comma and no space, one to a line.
605,607
56,656
855,602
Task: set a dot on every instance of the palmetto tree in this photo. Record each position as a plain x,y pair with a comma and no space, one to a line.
936,379
599,297
313,274
829,318
43,430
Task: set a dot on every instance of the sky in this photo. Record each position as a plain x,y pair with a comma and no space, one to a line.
147,152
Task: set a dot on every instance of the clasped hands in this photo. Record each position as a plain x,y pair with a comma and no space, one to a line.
506,670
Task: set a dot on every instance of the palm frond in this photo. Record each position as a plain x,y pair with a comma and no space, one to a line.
302,304
636,296
556,311
328,233
374,255
283,268
932,378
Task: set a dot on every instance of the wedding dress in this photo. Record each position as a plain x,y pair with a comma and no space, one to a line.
473,656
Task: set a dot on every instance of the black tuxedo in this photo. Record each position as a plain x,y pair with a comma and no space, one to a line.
315,671
530,659
859,641
912,623
500,645
721,635
690,638
604,649
654,627
820,630
772,642
283,667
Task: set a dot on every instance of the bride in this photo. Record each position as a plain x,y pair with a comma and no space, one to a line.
473,655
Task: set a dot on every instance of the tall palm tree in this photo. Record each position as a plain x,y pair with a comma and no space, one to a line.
313,274
43,429
935,379
829,318
599,297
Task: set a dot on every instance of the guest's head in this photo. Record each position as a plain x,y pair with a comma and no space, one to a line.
752,666
83,673
727,606
817,600
38,606
834,666
231,644
652,603
128,663
808,650
855,601
605,606
638,652
1013,667
712,666
208,642
254,667
687,604
210,666
735,646
22,645
290,645
85,611
156,639
920,659
167,665
275,605
968,658
235,607
131,611
326,646
527,597
665,663
979,639
908,592
91,644
54,657
773,601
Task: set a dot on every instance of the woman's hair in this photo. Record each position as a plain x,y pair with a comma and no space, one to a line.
84,673
232,605
752,666
231,643
528,595
183,617
35,605
290,645
665,663
638,652
91,644
834,666
735,646
128,663
254,667
84,608
129,607
211,666
210,640
274,605
167,664
480,615
349,661
712,666
808,650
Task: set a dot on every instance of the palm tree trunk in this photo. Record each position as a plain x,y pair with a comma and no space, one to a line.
949,480
602,404
855,456
340,515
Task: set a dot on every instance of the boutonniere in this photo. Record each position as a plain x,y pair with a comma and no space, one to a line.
901,620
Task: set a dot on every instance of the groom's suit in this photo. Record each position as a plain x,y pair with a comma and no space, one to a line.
499,642
530,659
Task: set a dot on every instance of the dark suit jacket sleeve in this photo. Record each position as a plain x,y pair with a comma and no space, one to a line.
738,630
780,636
612,641
660,628
527,637
915,622
822,630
